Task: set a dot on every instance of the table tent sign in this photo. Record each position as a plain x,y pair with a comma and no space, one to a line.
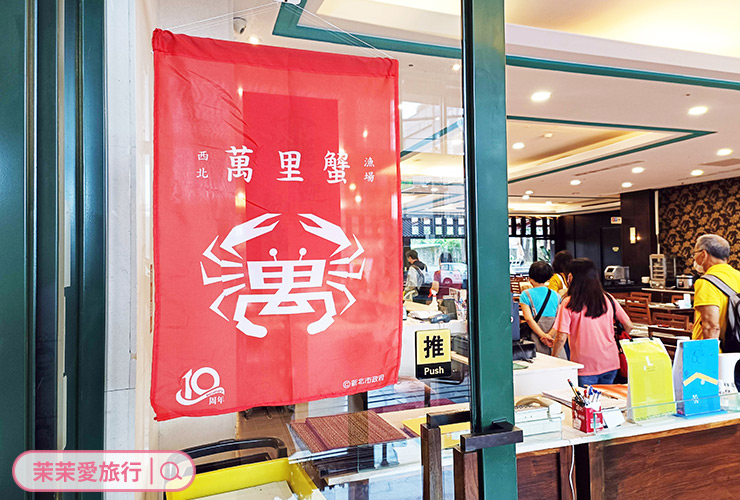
277,236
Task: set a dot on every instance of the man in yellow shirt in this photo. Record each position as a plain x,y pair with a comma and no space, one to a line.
710,303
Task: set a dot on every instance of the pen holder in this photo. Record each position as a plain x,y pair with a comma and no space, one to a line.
587,419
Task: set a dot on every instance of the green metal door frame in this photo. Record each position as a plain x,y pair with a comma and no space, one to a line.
489,299
30,179
17,284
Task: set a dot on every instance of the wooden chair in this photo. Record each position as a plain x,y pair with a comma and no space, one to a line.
638,310
680,321
675,298
641,295
670,341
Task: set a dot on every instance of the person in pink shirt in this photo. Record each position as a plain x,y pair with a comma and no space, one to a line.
586,319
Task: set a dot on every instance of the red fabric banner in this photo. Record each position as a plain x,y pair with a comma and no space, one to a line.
277,239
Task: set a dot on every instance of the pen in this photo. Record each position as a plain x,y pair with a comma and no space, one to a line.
579,399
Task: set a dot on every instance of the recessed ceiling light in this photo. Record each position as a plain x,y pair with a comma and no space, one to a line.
434,190
528,191
548,202
358,198
626,184
575,182
525,197
541,96
697,172
456,67
698,110
547,135
724,152
352,186
517,145
638,170
364,133
254,40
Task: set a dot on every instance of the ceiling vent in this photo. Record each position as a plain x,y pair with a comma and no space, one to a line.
729,162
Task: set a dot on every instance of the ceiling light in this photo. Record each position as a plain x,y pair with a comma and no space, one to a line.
697,172
626,184
358,198
575,182
638,170
254,40
548,135
525,197
541,96
698,110
352,186
456,67
528,191
548,202
517,145
434,190
724,152
364,133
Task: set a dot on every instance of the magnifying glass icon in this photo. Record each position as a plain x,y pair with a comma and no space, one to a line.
169,469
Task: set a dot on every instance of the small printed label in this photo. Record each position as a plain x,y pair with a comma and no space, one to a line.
433,354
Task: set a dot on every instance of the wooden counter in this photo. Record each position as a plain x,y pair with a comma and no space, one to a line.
700,461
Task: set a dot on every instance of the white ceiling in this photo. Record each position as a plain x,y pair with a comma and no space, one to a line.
611,113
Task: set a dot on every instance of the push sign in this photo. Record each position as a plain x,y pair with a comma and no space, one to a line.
433,354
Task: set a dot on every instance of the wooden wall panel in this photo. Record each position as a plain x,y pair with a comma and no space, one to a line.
638,211
690,465
544,475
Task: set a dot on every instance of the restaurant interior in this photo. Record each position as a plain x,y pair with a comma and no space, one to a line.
622,146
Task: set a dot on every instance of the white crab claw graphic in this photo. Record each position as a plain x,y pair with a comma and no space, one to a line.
326,230
247,231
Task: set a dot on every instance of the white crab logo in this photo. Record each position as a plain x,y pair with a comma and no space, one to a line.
290,275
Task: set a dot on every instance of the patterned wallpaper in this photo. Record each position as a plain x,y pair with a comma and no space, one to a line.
687,212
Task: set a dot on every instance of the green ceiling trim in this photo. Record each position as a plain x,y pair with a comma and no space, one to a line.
687,134
287,25
608,125
634,74
614,155
437,135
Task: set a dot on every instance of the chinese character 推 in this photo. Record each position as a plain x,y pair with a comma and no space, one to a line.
239,163
290,162
433,346
336,164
